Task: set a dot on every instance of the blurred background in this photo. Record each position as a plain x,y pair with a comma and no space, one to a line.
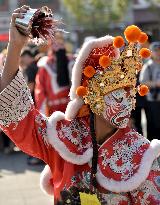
82,20
90,17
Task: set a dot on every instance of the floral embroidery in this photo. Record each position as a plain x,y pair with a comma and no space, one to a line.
76,133
149,192
15,102
122,159
42,129
145,192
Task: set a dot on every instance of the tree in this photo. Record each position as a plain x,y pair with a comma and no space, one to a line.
94,14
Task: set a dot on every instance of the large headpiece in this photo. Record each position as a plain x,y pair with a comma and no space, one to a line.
101,68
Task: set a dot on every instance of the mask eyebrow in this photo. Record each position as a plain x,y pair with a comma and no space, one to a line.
119,94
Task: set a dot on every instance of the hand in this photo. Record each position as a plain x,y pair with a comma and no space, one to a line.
17,39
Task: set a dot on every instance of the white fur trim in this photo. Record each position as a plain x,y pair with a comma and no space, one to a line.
60,147
42,63
45,184
83,55
135,181
73,108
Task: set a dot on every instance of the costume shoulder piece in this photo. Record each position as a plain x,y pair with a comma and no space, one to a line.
71,139
125,160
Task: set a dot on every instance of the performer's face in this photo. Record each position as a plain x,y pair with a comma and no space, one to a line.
119,104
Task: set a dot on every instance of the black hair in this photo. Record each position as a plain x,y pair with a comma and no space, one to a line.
93,181
150,38
62,68
28,52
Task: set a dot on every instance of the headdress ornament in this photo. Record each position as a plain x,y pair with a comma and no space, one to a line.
101,68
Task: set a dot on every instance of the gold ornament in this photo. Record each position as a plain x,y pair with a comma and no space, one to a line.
121,73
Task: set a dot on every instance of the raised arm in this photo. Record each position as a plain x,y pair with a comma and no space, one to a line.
19,119
15,45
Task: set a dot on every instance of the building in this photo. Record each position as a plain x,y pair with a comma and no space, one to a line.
146,15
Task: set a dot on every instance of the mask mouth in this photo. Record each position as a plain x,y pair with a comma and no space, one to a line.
120,120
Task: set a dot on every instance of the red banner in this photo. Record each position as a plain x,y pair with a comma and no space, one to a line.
4,37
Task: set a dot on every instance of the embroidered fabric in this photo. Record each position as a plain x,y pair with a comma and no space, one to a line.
15,101
71,139
126,163
149,191
122,159
42,129
76,134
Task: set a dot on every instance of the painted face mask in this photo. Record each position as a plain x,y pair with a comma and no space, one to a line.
119,104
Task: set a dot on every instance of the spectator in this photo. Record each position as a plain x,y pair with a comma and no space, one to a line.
150,75
29,67
52,82
141,104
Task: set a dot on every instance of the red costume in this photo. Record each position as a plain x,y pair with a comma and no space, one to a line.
49,96
128,165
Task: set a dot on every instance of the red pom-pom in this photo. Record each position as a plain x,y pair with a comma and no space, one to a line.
104,61
89,71
118,42
143,90
145,53
81,91
132,33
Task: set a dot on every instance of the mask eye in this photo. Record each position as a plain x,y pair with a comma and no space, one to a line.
118,100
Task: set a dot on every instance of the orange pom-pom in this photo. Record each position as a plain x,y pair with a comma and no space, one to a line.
145,53
143,90
81,91
142,38
89,71
104,61
118,42
132,33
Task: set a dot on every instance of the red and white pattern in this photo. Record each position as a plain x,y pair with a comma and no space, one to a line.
119,104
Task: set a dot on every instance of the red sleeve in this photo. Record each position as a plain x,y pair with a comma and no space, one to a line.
40,90
149,191
19,119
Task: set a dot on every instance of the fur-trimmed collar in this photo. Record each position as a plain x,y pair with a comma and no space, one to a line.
124,160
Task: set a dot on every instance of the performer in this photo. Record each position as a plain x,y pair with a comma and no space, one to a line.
52,86
93,156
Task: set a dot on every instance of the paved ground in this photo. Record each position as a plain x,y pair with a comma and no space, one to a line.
19,183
